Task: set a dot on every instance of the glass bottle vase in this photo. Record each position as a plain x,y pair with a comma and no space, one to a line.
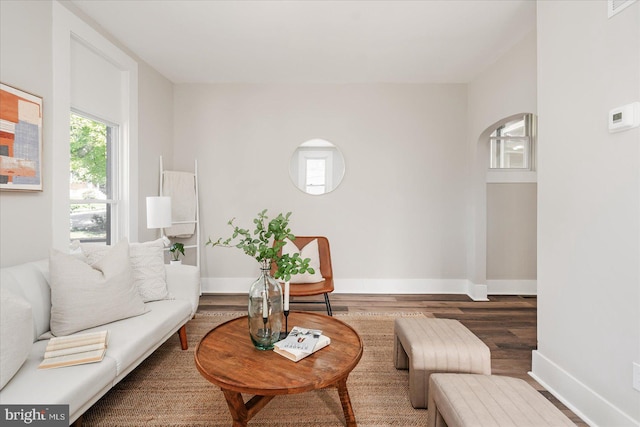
265,310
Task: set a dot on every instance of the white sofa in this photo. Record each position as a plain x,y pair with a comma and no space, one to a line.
131,340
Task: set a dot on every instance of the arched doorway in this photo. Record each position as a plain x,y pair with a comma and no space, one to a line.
506,236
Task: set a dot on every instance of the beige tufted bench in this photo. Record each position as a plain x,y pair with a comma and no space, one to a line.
471,400
426,346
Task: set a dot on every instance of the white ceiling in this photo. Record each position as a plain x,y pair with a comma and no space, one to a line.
318,41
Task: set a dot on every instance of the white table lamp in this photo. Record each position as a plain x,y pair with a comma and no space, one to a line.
158,212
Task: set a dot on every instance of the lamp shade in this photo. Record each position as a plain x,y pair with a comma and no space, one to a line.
158,212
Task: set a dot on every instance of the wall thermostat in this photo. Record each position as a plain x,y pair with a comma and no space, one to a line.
625,117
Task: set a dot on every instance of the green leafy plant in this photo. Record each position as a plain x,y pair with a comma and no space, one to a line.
265,243
88,143
176,249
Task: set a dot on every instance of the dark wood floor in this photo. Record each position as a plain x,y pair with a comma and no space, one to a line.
507,324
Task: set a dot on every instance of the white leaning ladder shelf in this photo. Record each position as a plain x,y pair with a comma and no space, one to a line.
196,221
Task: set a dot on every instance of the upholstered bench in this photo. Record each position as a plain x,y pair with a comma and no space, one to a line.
471,400
426,346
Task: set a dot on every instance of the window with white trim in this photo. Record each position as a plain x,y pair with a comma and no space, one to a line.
95,79
93,186
512,144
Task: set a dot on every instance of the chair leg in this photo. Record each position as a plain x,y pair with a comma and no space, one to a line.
328,304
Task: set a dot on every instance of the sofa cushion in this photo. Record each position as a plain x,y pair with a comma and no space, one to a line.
183,282
147,266
30,281
84,296
310,250
77,386
132,340
16,334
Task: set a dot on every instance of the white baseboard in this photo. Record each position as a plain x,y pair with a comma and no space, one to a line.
586,403
402,286
240,285
512,287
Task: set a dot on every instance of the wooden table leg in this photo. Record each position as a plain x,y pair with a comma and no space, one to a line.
241,412
349,416
237,408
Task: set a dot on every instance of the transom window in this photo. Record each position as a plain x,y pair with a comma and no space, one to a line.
511,145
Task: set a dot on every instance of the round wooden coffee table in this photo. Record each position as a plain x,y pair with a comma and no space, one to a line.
226,357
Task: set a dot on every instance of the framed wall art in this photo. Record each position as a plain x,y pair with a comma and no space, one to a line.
20,140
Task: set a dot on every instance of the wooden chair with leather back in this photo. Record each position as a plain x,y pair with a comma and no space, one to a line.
320,288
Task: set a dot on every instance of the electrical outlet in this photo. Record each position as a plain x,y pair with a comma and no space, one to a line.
636,376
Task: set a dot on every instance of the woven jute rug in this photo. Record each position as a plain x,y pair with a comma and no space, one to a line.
167,389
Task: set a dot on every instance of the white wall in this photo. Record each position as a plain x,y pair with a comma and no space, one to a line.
588,210
400,210
25,63
155,139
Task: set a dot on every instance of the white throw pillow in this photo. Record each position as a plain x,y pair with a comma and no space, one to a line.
309,251
84,296
147,267
16,334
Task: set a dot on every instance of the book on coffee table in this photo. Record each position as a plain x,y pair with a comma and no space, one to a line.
75,350
300,343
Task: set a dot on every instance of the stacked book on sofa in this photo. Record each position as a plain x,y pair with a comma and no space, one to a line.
75,350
